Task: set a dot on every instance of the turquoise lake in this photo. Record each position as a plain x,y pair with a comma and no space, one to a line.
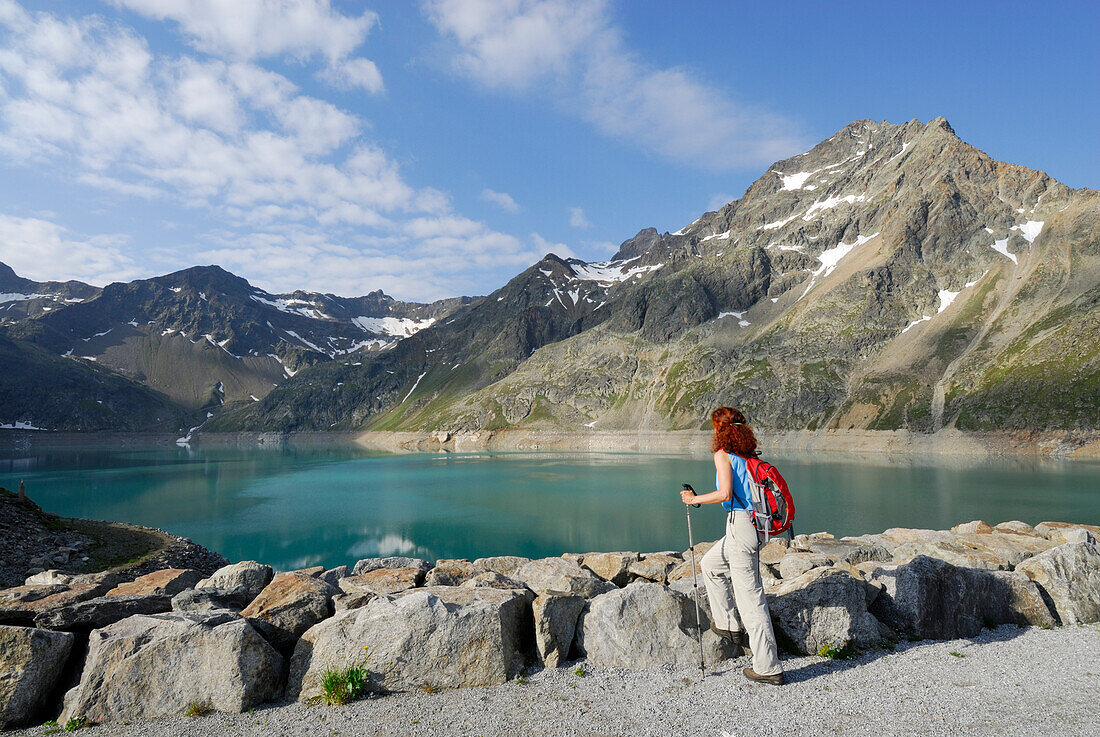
294,507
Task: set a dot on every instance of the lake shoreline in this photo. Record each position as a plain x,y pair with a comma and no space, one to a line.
1076,444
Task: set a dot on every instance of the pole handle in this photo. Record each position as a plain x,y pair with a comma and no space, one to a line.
688,487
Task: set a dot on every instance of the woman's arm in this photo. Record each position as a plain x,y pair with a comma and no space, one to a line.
724,492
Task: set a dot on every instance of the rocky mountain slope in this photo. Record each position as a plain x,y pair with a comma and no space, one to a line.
892,277
197,340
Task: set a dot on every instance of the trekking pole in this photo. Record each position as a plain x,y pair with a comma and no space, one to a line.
695,586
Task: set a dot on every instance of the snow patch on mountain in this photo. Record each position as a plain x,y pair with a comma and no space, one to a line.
741,321
609,272
795,181
1030,230
17,297
1001,247
400,327
293,307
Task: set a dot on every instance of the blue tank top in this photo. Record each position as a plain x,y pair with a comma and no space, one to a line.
742,492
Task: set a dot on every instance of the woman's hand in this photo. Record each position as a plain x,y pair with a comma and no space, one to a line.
687,496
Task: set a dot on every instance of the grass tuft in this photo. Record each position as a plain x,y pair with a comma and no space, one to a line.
956,654
195,709
835,652
580,672
341,686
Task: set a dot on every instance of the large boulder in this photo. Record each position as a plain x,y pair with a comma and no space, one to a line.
438,637
20,605
209,600
845,550
823,606
398,561
1060,533
795,563
100,612
505,565
654,566
931,598
494,580
168,581
555,625
1069,578
382,581
288,606
333,575
31,664
645,625
611,567
151,666
248,573
561,575
451,572
972,527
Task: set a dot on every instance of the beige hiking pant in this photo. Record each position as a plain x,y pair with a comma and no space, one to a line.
735,560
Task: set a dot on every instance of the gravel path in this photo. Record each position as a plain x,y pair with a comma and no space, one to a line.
1008,681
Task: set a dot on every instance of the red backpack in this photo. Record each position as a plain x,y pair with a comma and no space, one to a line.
772,505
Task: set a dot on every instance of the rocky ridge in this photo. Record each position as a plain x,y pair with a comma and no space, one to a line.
193,343
245,635
893,277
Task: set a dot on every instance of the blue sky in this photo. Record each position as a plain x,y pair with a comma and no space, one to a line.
438,147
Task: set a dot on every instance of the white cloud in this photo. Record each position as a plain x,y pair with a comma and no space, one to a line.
282,187
42,250
501,199
443,264
570,52
544,247
251,29
578,219
351,73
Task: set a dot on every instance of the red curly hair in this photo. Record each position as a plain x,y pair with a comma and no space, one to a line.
732,433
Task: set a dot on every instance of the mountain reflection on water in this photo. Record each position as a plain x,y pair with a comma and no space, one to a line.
295,507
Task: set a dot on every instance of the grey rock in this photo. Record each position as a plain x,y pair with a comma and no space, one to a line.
451,573
934,599
493,580
101,612
342,602
1069,578
611,567
370,564
248,573
151,666
555,625
383,580
506,565
31,665
823,606
288,606
560,574
439,637
333,575
52,576
654,566
794,564
167,581
209,599
645,625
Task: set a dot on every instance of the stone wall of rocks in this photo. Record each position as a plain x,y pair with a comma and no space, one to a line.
176,639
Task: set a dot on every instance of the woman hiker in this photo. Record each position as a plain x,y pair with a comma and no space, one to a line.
735,559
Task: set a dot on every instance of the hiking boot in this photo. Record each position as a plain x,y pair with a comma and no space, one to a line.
740,639
774,680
